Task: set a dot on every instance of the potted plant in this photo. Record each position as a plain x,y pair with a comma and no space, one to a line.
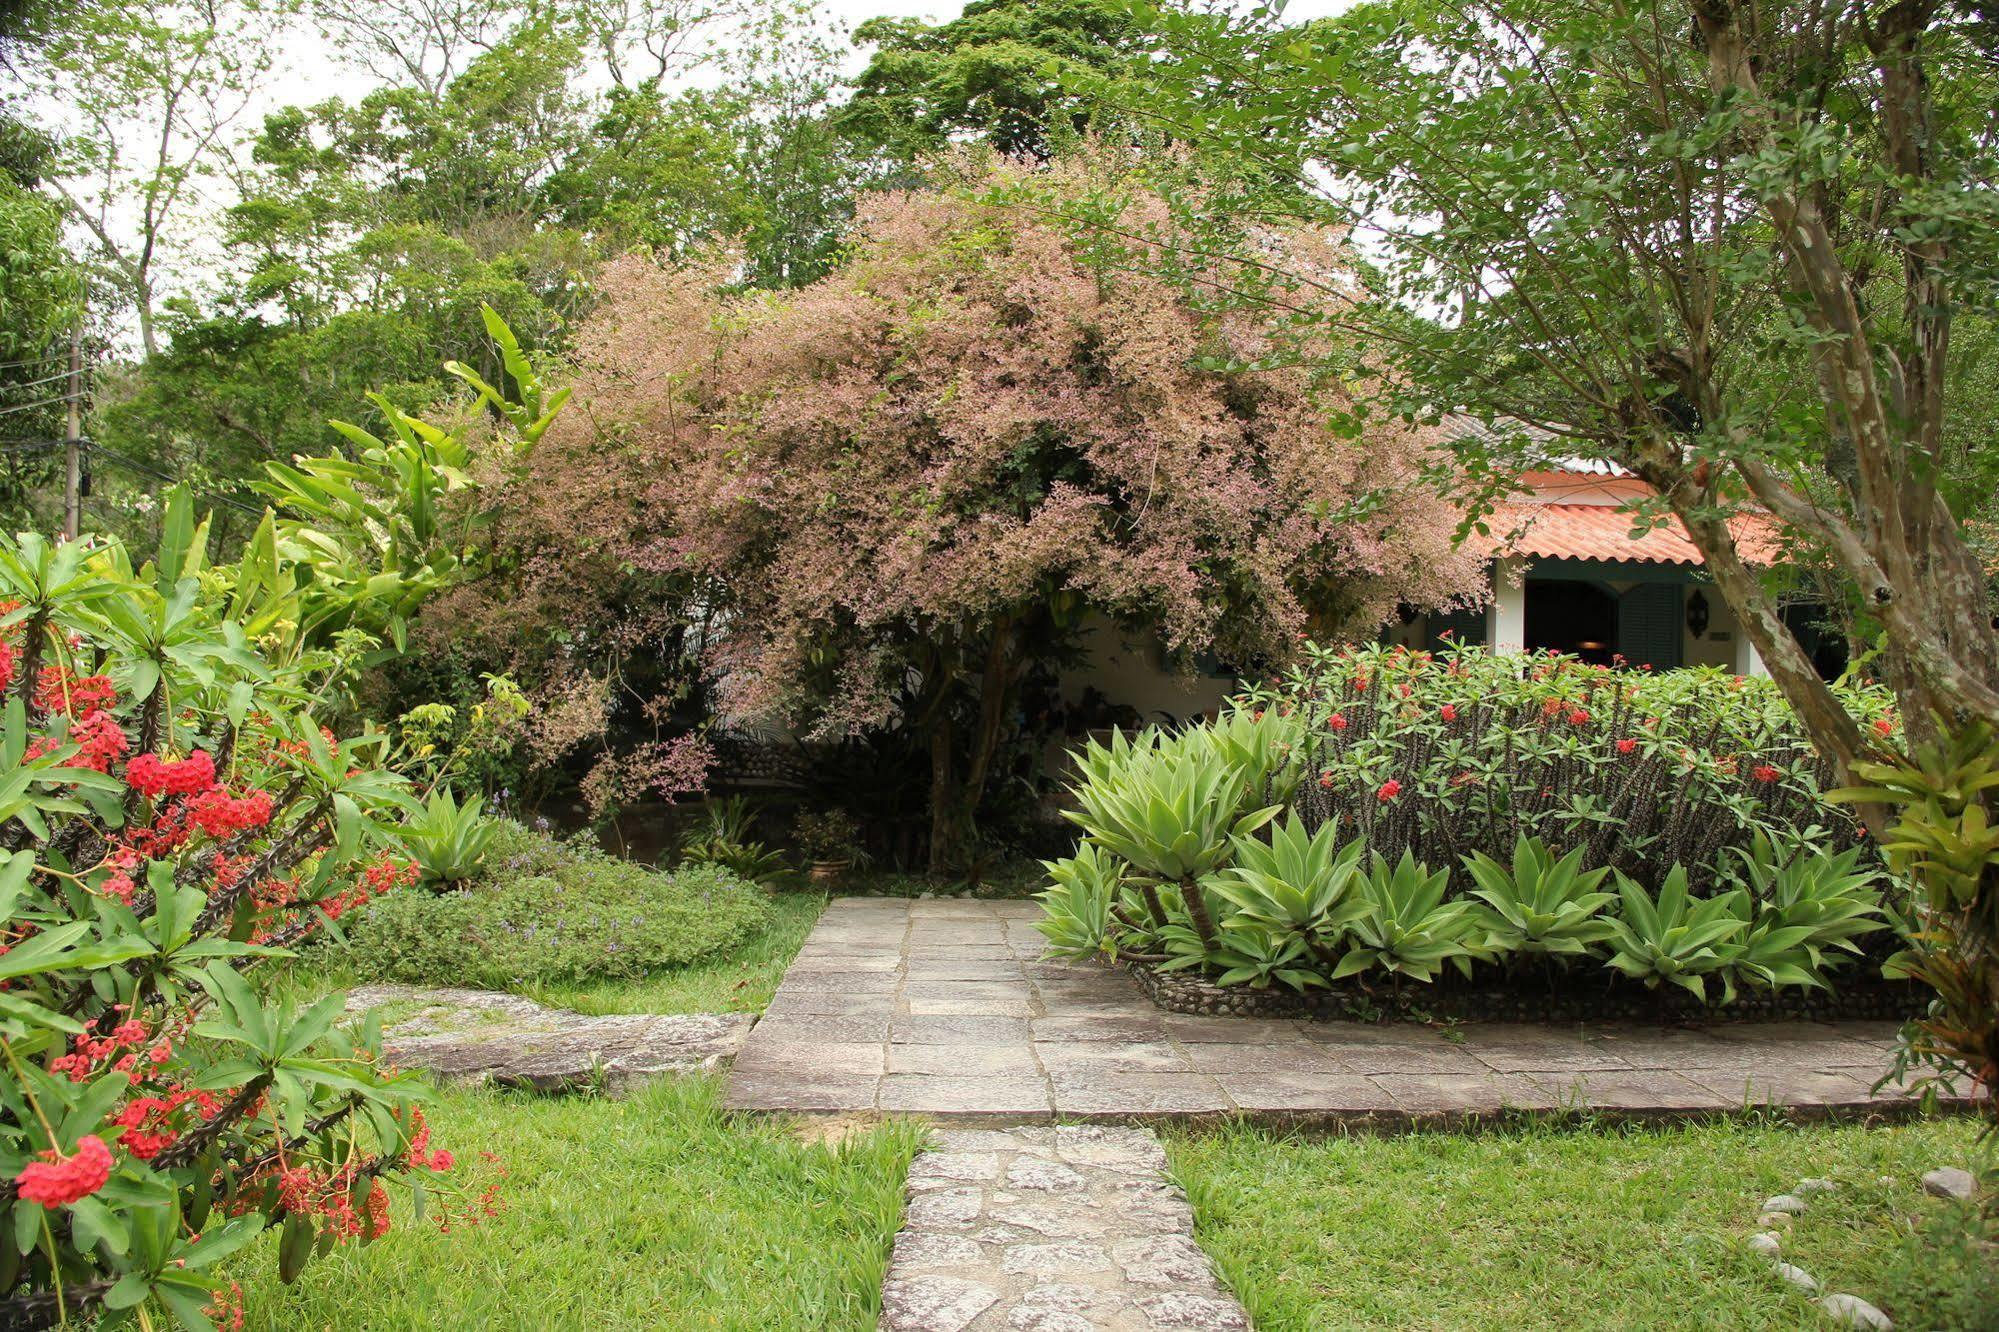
829,841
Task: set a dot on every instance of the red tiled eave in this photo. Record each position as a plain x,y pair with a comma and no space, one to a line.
1603,532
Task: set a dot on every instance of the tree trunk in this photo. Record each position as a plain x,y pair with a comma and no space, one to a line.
954,800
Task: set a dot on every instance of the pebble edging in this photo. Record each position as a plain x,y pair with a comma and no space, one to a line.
1777,1215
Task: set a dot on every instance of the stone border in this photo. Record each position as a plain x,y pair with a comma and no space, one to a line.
1183,992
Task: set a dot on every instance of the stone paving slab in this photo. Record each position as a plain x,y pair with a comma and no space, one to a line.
485,1036
1070,1229
947,1008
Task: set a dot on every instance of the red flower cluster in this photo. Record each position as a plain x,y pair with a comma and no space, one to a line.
1763,772
57,1180
150,775
147,1120
1626,745
384,876
1337,721
220,814
1449,712
99,741
92,1053
56,690
1388,790
227,1310
419,1153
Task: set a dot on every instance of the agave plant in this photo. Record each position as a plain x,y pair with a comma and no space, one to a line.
1404,925
449,840
1677,939
1077,907
1296,885
1540,904
1254,954
725,840
1769,954
1266,746
1169,808
1830,895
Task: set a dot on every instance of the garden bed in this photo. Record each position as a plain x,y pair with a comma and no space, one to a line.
1496,1001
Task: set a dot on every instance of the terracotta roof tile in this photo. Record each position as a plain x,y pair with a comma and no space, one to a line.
1603,532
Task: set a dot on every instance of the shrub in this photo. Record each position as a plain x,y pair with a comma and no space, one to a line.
171,813
544,911
1238,847
1468,750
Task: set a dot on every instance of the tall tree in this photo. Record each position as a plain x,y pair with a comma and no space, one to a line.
149,99
999,72
1722,244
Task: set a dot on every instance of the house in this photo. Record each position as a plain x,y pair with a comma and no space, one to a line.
1567,573
1571,573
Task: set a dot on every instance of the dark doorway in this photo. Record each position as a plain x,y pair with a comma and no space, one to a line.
1819,635
1575,617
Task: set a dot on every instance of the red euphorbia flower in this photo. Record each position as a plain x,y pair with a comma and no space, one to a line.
1337,721
57,1180
1448,712
150,775
1626,745
1388,790
1763,772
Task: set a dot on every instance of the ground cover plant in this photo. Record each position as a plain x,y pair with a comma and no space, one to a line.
1584,1228
543,912
649,1211
1392,815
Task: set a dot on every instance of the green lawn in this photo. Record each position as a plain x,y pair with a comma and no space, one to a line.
1561,1228
651,1212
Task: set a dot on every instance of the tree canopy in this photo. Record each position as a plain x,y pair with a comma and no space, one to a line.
884,487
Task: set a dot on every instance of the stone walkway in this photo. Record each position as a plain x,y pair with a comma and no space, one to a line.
1071,1229
944,1008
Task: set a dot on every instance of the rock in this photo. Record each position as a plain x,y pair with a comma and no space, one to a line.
1038,1174
933,1303
1799,1277
1806,1186
1856,1312
1767,1243
1774,1220
1178,1311
962,1166
484,1036
917,1248
1054,1260
1164,1260
1040,1318
1784,1202
944,1208
1949,1182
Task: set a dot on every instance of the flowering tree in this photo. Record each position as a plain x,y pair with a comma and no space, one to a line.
886,486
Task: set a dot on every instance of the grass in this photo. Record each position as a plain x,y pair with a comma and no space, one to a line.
1598,1228
654,1211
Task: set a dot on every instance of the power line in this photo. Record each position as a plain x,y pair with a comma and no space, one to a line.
33,360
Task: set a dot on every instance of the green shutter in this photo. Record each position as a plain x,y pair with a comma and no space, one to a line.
1648,624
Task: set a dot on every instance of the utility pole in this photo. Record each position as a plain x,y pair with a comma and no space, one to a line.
72,441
